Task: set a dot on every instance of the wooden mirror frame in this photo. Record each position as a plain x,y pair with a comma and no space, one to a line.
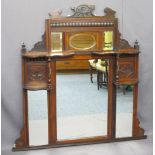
123,69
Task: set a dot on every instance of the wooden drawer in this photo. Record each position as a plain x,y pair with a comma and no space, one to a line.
70,64
128,69
36,75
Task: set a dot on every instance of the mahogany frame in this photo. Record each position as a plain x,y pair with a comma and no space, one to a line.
122,57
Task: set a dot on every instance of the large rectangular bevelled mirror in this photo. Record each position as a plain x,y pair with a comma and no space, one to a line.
124,111
38,117
82,104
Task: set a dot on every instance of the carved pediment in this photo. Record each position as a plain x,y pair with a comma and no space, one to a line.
83,11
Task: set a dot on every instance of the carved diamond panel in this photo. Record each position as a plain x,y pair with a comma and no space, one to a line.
127,70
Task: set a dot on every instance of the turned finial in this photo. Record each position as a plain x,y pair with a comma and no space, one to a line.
23,49
136,45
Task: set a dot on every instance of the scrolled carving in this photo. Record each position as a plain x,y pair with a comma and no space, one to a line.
138,130
124,44
37,72
55,13
40,45
37,75
21,141
109,12
83,11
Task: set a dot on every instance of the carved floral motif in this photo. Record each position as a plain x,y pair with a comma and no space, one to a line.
126,71
37,72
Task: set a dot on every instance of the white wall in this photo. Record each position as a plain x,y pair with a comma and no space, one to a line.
23,21
138,24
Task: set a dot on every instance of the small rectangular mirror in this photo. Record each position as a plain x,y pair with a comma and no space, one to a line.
56,41
124,111
108,40
38,117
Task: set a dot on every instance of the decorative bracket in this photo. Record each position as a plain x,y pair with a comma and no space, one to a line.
124,44
22,141
40,45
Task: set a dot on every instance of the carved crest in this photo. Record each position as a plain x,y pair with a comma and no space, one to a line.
83,11
109,12
55,13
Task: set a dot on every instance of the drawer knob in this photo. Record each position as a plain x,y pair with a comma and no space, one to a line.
66,63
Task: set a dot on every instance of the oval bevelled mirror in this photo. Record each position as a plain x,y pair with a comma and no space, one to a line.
82,41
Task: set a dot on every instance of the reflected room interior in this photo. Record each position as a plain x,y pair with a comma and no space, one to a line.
81,107
82,104
38,117
124,111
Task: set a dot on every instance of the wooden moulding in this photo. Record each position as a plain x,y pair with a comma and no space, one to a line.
138,133
123,54
21,142
79,143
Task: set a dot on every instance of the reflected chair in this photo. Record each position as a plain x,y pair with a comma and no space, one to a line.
92,68
102,73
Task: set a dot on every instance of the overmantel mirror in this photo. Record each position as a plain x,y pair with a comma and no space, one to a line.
80,83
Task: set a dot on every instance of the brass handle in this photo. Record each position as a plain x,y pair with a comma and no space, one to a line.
66,63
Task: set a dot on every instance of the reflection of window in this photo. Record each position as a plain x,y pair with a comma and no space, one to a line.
108,40
56,41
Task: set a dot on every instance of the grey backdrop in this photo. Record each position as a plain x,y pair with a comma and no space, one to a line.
23,21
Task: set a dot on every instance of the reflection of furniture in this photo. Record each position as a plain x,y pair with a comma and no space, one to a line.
72,65
102,73
92,67
72,39
101,66
123,87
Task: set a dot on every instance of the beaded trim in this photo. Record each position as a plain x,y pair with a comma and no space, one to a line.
81,24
